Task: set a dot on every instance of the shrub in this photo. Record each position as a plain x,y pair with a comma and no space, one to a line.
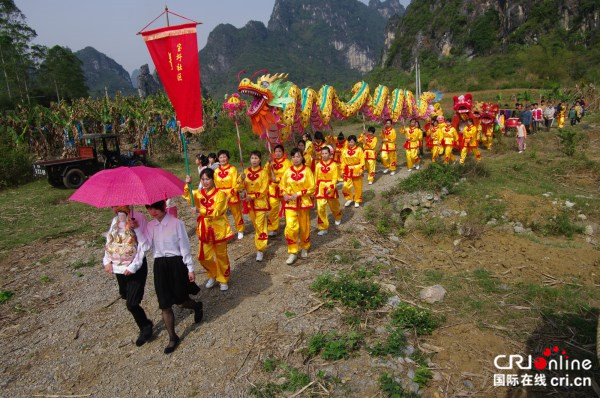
15,163
350,289
568,141
562,225
394,345
5,295
408,317
433,177
332,346
393,389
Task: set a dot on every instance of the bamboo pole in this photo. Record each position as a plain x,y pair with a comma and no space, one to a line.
187,165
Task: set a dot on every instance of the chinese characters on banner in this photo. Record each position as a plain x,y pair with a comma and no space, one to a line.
174,51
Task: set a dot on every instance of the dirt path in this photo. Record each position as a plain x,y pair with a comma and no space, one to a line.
76,337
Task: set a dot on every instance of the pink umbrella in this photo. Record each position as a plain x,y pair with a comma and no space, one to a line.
123,186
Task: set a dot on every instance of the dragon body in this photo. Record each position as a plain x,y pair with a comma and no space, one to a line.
280,107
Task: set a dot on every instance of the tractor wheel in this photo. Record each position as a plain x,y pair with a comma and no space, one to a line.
138,163
74,178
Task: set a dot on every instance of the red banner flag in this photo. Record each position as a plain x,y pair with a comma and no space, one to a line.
174,50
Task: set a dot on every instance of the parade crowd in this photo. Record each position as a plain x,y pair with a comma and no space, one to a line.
287,187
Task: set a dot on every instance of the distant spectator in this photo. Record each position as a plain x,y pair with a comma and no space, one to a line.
521,135
537,117
549,115
527,118
212,161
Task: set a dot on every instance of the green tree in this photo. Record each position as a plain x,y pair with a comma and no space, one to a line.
17,56
60,76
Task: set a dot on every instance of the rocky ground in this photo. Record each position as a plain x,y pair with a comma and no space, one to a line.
69,334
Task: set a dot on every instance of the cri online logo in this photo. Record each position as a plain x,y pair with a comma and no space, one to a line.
541,363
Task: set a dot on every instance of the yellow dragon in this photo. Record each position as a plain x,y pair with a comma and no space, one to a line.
279,107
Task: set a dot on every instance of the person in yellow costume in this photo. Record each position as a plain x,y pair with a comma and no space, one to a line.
414,139
226,179
309,150
562,111
255,180
388,147
308,156
353,165
326,193
298,187
369,142
213,228
448,138
279,165
318,144
437,148
340,145
471,136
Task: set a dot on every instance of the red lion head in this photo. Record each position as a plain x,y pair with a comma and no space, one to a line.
489,112
463,103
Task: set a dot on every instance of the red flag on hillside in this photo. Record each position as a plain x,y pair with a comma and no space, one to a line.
174,50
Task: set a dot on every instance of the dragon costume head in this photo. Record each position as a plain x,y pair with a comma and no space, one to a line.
488,113
463,104
270,96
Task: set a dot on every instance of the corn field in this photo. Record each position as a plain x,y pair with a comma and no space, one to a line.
44,131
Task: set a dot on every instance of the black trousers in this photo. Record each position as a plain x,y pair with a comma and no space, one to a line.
131,289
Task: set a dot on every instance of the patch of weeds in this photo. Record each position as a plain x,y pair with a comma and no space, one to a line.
45,279
352,320
382,226
45,260
290,314
486,281
474,169
492,209
392,387
294,380
432,227
269,365
349,289
394,345
568,141
90,262
339,257
419,357
370,212
332,346
568,298
562,225
422,376
401,231
421,320
355,243
433,276
368,195
363,272
5,295
79,274
433,178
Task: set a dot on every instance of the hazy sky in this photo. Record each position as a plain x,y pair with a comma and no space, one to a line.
110,26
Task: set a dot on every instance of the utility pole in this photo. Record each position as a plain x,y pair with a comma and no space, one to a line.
167,14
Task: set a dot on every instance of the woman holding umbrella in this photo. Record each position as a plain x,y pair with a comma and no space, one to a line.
173,267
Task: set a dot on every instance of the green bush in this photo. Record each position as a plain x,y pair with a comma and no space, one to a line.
393,389
15,163
394,345
568,141
350,289
332,346
420,319
5,295
562,225
433,178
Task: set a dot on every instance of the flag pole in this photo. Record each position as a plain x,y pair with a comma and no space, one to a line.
187,165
